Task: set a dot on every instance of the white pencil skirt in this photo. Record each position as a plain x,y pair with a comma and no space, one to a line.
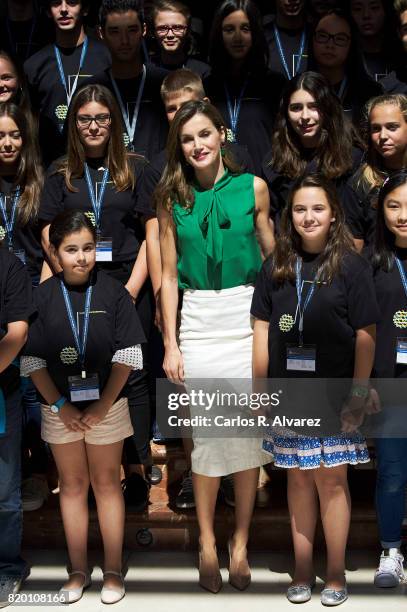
216,338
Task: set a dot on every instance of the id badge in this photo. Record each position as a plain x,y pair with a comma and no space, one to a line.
301,358
84,389
401,350
20,254
104,249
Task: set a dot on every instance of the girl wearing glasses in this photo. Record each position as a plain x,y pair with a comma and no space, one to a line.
334,53
99,177
311,135
240,85
171,29
314,277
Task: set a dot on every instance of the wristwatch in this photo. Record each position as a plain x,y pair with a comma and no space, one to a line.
359,391
56,406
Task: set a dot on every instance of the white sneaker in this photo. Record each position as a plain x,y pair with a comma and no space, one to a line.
390,571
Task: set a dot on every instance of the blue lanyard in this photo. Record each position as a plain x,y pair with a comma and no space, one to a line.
96,202
9,223
299,285
11,37
282,54
130,127
70,94
80,344
402,274
234,111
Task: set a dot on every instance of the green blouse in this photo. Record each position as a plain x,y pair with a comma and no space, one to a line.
216,242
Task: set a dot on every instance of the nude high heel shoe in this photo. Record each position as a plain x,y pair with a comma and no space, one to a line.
210,582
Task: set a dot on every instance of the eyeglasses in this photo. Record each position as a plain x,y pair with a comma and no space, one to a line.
340,40
85,121
178,30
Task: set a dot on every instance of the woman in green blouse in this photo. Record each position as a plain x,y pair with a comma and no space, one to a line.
210,218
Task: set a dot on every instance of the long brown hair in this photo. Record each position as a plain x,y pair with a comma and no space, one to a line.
72,166
289,246
176,182
372,173
334,152
29,176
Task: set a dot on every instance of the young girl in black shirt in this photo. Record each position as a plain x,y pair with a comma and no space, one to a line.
21,182
311,136
315,278
334,53
390,278
386,142
240,85
80,351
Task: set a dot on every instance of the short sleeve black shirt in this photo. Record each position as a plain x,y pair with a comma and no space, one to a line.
119,219
15,305
333,315
113,325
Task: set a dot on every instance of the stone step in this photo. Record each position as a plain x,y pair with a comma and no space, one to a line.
163,527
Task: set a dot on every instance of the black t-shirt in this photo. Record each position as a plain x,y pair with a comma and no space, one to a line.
391,298
368,196
22,39
26,237
258,110
200,68
354,96
119,219
15,305
377,65
152,128
280,186
47,93
396,81
154,171
291,45
113,325
331,319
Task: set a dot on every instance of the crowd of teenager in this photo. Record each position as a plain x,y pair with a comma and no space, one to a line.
199,190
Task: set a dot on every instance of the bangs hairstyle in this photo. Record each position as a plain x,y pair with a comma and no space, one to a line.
176,182
72,166
69,222
373,172
257,58
400,6
119,6
385,241
29,174
180,81
288,245
334,151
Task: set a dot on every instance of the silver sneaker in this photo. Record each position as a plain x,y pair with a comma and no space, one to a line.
300,593
390,571
331,597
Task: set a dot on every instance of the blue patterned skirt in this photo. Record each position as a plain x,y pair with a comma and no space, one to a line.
307,453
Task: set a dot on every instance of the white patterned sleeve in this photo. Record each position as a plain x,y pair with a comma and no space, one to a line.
130,356
30,364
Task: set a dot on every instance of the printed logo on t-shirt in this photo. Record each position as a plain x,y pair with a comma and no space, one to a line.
2,232
69,355
91,216
286,323
400,319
